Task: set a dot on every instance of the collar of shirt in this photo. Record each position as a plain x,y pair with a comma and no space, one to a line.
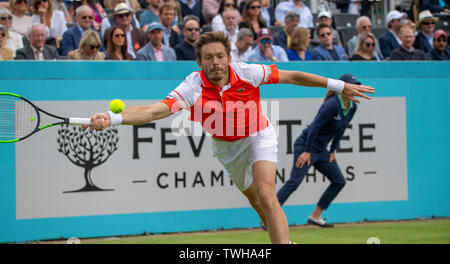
398,40
341,103
410,50
81,29
158,52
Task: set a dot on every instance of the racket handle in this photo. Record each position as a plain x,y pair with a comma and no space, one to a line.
79,121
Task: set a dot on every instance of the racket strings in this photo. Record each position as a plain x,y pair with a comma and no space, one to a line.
17,118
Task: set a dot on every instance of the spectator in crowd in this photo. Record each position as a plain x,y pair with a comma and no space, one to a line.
436,6
326,50
390,39
440,50
217,22
61,6
117,44
36,49
426,23
191,31
283,38
306,17
365,49
136,38
98,12
151,14
324,17
133,4
89,48
265,50
407,51
155,50
12,40
210,8
5,52
192,7
54,20
21,21
298,48
71,38
251,17
241,49
167,16
268,14
178,17
363,24
109,21
230,19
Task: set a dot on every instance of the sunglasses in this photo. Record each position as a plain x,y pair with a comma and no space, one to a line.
119,35
87,17
6,18
369,44
229,4
41,1
124,15
429,23
192,29
254,7
264,41
325,34
93,47
21,2
443,40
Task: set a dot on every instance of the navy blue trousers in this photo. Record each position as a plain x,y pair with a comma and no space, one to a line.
320,161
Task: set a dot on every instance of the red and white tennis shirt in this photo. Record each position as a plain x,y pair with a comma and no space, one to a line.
228,113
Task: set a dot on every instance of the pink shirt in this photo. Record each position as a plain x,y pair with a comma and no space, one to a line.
158,53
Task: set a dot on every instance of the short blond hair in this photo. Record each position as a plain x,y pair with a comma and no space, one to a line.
211,37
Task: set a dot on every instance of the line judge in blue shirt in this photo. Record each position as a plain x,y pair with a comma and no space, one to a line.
310,149
265,50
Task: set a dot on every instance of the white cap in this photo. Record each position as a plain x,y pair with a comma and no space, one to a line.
324,13
394,14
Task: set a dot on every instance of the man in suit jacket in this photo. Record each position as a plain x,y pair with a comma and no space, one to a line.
282,38
36,49
136,38
155,50
71,37
426,24
389,40
326,51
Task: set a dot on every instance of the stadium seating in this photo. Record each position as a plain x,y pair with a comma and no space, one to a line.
344,20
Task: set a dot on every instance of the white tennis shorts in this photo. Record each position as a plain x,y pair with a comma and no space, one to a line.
238,156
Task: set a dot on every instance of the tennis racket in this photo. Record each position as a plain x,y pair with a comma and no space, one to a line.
20,118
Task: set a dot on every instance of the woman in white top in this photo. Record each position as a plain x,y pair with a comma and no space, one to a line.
13,40
21,22
53,19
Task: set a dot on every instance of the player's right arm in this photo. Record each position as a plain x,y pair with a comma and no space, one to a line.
136,115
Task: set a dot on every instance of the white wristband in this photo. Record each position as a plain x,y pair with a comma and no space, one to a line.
335,85
116,119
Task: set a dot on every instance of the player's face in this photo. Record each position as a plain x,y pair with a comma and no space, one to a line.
214,61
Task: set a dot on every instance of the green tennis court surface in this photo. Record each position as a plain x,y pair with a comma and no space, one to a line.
435,231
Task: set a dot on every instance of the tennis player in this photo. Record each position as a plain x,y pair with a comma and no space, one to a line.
246,146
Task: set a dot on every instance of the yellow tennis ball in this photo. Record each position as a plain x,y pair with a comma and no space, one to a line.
116,106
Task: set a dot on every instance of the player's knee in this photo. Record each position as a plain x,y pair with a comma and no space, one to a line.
340,183
267,198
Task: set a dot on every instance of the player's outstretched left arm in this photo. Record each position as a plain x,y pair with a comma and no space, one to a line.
349,90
